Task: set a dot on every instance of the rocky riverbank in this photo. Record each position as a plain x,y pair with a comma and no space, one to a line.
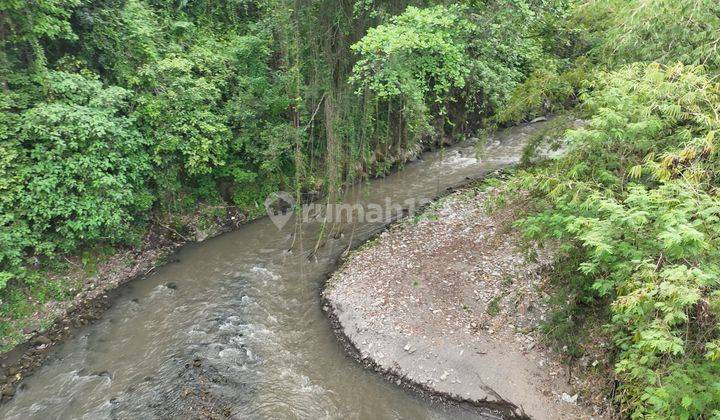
447,302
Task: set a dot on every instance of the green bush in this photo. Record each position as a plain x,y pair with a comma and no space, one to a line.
666,31
634,201
74,171
546,91
453,62
421,53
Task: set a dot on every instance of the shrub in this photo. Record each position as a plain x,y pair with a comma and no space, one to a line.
666,31
635,203
75,170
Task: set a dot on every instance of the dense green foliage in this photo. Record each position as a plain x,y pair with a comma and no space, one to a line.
458,62
633,203
78,167
117,114
420,48
665,31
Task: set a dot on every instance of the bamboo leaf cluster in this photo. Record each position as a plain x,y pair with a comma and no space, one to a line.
633,203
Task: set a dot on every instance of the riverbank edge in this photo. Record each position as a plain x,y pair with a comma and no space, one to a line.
505,409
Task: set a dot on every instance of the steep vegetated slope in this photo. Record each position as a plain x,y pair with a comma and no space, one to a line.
634,202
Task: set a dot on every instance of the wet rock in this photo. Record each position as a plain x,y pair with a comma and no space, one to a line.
8,390
103,374
41,340
171,285
30,329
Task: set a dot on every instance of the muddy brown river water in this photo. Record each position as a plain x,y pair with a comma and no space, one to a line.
235,326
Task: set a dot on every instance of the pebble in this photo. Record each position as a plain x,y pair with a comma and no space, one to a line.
8,390
41,340
569,399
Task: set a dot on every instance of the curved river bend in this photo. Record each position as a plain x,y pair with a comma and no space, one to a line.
240,331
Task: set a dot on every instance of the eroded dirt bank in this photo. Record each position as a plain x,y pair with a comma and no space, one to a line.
447,302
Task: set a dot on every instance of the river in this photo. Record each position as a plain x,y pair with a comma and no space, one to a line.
234,326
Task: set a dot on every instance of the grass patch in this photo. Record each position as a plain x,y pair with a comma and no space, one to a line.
493,308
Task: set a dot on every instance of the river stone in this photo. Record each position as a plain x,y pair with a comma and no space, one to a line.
41,340
8,390
31,329
201,235
569,399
